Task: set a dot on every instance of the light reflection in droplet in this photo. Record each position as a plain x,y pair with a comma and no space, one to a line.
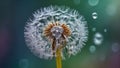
94,15
98,38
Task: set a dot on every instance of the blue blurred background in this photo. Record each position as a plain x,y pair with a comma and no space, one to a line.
101,51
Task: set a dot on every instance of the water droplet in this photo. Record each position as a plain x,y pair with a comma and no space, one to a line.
93,2
105,30
93,29
92,49
94,15
115,47
77,2
98,38
23,63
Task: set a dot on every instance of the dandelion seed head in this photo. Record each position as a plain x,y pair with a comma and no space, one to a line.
41,46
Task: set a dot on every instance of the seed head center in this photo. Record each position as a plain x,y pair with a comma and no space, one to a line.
57,31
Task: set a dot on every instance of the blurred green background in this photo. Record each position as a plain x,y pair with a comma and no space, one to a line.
102,16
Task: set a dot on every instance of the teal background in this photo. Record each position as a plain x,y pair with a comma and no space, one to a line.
15,13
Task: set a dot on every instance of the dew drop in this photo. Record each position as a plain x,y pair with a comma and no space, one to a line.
94,15
98,38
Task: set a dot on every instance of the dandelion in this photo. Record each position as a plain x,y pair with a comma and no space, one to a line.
56,32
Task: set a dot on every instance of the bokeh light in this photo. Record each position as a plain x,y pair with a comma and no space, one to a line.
111,9
98,38
115,47
92,48
93,2
105,30
5,39
93,29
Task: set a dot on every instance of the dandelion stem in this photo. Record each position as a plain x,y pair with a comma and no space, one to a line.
58,58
